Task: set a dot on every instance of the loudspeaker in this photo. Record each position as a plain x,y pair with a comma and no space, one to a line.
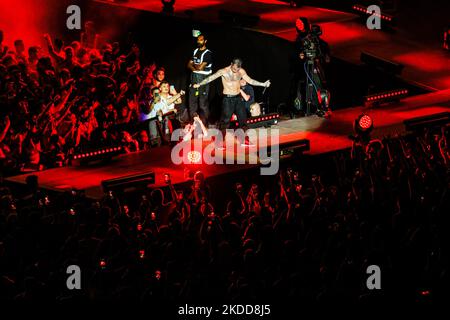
438,119
381,64
135,180
296,146
237,18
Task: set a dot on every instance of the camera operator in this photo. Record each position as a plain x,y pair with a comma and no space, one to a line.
311,54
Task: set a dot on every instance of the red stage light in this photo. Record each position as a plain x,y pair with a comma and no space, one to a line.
386,96
194,156
364,9
102,264
141,254
365,122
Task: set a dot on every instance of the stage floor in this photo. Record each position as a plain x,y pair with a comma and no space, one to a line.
426,63
325,135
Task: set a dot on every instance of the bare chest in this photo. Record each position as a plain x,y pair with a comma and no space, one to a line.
231,76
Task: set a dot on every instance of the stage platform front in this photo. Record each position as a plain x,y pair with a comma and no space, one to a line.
325,135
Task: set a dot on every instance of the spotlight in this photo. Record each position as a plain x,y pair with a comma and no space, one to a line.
362,126
365,123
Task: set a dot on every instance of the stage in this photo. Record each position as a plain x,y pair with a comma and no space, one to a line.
324,135
425,63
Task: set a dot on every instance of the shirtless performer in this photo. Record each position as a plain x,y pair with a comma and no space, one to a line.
232,102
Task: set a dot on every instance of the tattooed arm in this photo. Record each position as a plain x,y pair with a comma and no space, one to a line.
209,79
254,82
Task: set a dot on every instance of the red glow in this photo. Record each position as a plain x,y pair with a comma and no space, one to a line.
102,263
425,292
141,254
139,227
426,60
365,122
299,25
25,19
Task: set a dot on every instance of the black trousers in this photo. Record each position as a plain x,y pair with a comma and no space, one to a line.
230,105
198,98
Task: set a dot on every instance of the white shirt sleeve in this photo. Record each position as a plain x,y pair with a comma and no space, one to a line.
156,108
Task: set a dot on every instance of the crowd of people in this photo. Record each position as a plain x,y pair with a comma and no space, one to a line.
68,98
308,233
